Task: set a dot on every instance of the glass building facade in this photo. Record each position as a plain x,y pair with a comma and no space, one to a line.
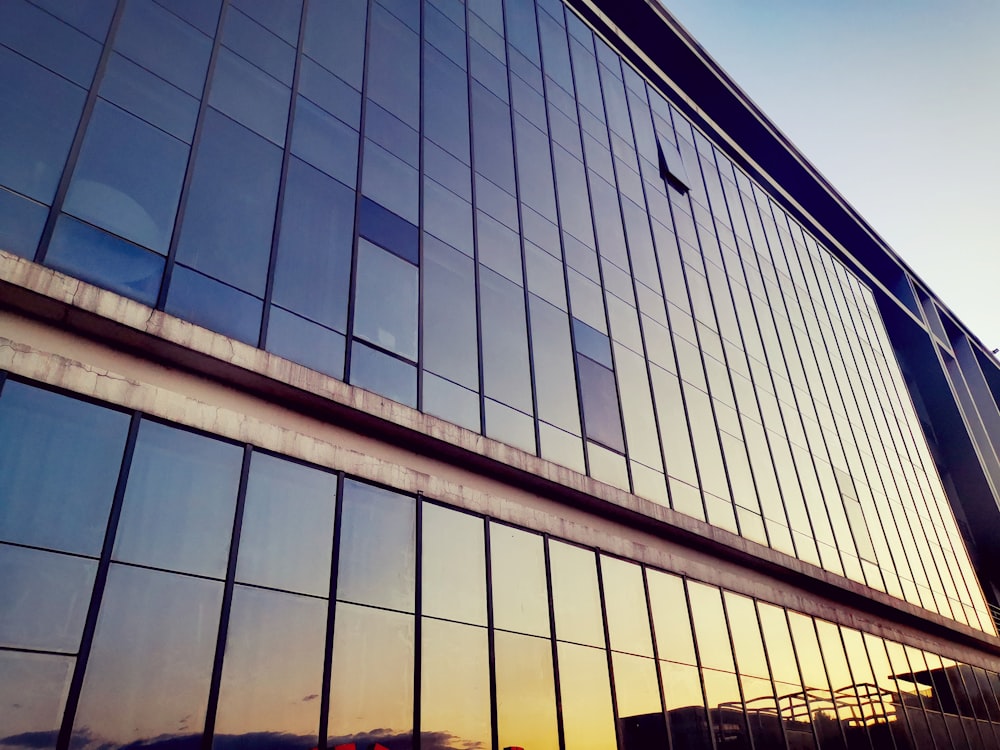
427,374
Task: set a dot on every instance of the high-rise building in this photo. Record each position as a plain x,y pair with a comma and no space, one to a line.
400,374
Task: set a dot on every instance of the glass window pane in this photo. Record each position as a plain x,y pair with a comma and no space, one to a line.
637,693
214,305
38,120
335,37
151,662
136,90
32,697
313,267
625,600
371,686
385,310
505,341
388,230
391,182
553,361
685,706
66,505
394,66
331,93
526,707
575,596
710,628
230,213
325,142
45,598
179,501
377,547
283,637
446,102
453,565
747,640
493,140
251,38
449,323
444,399
21,224
725,709
128,179
670,617
305,342
588,721
455,686
382,374
520,595
602,420
287,531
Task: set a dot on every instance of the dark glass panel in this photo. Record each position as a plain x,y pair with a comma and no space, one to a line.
711,633
305,342
526,709
492,138
385,306
38,120
280,636
21,224
59,458
179,501
371,685
725,710
321,87
520,593
46,598
600,404
449,320
46,40
453,565
287,530
592,343
455,686
163,44
588,720
151,662
625,601
391,182
764,717
250,96
218,307
576,597
670,617
335,37
553,361
230,214
504,341
32,696
685,706
325,142
394,66
380,373
248,38
377,547
312,273
105,260
136,90
387,230
128,179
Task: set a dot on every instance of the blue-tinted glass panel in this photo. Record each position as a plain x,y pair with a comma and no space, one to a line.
92,18
279,635
386,229
555,52
385,375
394,66
448,216
218,307
202,14
162,43
48,41
59,458
522,32
325,142
151,662
230,213
32,697
392,134
250,96
179,501
249,39
45,598
38,120
488,70
592,343
107,261
385,307
21,224
493,141
305,342
505,341
128,179
446,104
281,18
444,35
391,182
313,268
335,37
321,87
377,547
287,531
449,321
145,95
600,404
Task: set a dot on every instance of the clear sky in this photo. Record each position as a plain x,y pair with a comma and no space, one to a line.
897,103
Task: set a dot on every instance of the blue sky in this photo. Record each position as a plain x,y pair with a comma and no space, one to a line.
897,103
